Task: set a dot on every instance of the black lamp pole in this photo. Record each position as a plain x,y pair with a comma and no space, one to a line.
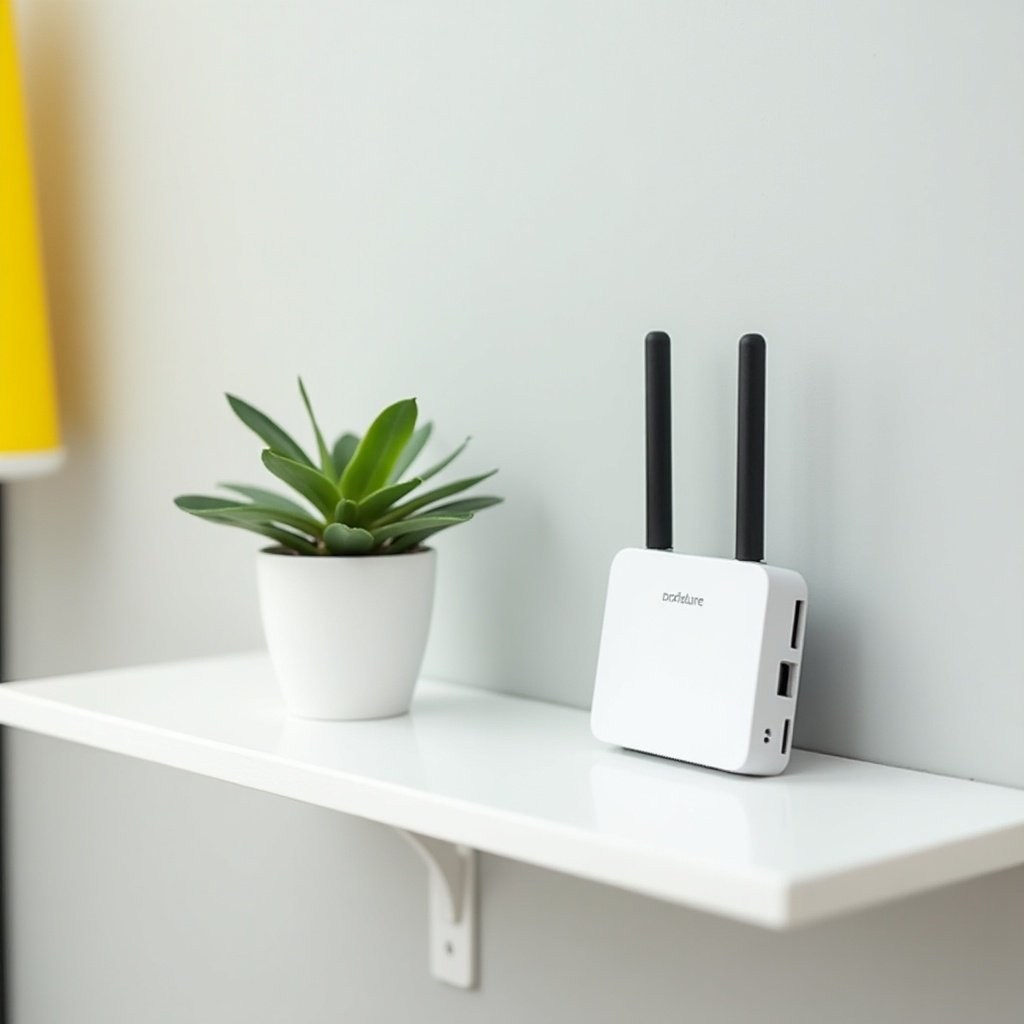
5,1000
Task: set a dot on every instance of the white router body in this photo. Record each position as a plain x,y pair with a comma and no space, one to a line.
700,657
700,660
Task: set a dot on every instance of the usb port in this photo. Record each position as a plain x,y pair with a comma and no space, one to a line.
796,636
785,736
787,673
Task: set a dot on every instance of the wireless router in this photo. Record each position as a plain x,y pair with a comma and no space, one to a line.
700,657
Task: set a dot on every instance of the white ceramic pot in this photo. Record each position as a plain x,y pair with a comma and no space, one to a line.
346,635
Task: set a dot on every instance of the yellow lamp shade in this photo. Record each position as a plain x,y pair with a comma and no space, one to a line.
29,429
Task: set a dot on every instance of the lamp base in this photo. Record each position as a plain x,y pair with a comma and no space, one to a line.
25,464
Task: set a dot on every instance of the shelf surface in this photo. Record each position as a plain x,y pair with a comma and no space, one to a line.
525,779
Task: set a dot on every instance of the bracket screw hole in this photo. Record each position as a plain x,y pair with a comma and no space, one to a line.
448,948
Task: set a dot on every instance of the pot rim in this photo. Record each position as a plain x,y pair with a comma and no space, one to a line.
278,551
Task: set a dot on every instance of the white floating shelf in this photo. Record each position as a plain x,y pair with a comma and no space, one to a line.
525,779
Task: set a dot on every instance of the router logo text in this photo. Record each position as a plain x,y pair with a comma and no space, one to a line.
678,598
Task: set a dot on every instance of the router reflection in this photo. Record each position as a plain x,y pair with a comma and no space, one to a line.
711,815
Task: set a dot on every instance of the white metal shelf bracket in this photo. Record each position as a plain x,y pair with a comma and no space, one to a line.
451,870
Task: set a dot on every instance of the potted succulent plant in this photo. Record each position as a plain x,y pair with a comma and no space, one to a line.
346,590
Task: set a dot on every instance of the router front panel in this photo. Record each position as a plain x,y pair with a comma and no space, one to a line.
684,670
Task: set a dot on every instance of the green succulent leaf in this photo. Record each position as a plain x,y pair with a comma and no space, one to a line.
344,449
347,540
307,480
356,488
419,438
379,450
278,441
373,505
409,541
265,514
347,512
401,511
214,510
415,538
464,505
230,510
264,497
287,539
445,462
197,504
326,459
382,533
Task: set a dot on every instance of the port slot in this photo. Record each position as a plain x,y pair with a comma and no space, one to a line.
785,736
787,675
796,636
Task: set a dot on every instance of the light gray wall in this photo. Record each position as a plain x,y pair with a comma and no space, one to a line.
487,205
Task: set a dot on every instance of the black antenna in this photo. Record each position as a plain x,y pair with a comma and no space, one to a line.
659,441
750,451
